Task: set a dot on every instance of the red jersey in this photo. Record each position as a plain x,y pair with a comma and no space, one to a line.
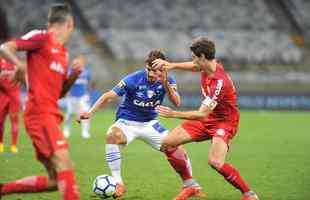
46,69
220,95
7,70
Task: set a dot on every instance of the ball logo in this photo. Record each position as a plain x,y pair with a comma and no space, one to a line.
220,132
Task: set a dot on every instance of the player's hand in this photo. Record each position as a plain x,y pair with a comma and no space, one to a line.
163,76
161,64
83,116
78,64
164,111
19,75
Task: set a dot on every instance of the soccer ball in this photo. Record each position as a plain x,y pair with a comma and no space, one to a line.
104,186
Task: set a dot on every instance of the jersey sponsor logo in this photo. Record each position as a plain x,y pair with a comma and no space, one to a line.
218,89
210,103
220,132
57,67
146,104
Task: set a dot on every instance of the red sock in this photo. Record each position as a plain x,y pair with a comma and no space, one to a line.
233,176
26,185
14,127
178,159
1,128
67,185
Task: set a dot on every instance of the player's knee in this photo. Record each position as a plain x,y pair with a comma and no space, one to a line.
214,162
62,160
115,138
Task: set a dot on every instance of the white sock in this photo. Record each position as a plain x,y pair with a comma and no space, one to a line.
113,158
67,125
85,128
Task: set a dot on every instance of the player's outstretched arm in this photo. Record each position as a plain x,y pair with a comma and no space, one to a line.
8,51
187,66
167,112
100,103
78,65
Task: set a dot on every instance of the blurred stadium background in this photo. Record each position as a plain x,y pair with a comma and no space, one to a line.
264,44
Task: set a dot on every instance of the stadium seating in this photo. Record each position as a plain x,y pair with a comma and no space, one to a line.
242,35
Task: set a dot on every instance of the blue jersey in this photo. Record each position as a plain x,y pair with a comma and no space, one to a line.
140,97
80,86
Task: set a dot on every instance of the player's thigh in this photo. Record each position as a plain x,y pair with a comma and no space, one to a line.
176,137
4,107
120,133
45,133
153,134
217,152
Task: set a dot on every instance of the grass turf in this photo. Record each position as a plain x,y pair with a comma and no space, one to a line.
271,151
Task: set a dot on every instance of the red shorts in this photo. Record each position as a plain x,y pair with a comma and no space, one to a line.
200,131
10,103
45,133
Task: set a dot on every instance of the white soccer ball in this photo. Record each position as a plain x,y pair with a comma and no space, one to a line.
104,186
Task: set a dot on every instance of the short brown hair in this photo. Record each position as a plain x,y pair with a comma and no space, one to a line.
203,45
59,13
153,55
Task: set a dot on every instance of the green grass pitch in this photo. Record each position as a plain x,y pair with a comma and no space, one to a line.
271,150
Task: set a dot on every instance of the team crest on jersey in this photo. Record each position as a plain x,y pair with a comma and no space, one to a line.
150,93
220,132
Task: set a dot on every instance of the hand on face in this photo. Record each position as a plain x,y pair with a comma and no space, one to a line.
161,64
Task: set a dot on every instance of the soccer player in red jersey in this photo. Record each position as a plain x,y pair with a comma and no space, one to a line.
217,119
10,103
47,82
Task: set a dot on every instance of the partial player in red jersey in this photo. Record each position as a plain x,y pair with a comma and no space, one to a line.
10,103
47,82
217,118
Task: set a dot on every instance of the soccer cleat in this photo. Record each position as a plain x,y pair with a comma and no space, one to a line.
1,148
188,192
14,149
249,196
120,191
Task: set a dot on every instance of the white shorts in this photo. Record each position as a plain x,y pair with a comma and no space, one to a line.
150,132
77,105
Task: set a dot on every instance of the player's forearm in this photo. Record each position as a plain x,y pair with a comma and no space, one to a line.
190,66
189,115
68,83
173,96
99,104
8,52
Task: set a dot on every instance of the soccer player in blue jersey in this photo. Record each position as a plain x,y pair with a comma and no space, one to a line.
142,91
78,101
